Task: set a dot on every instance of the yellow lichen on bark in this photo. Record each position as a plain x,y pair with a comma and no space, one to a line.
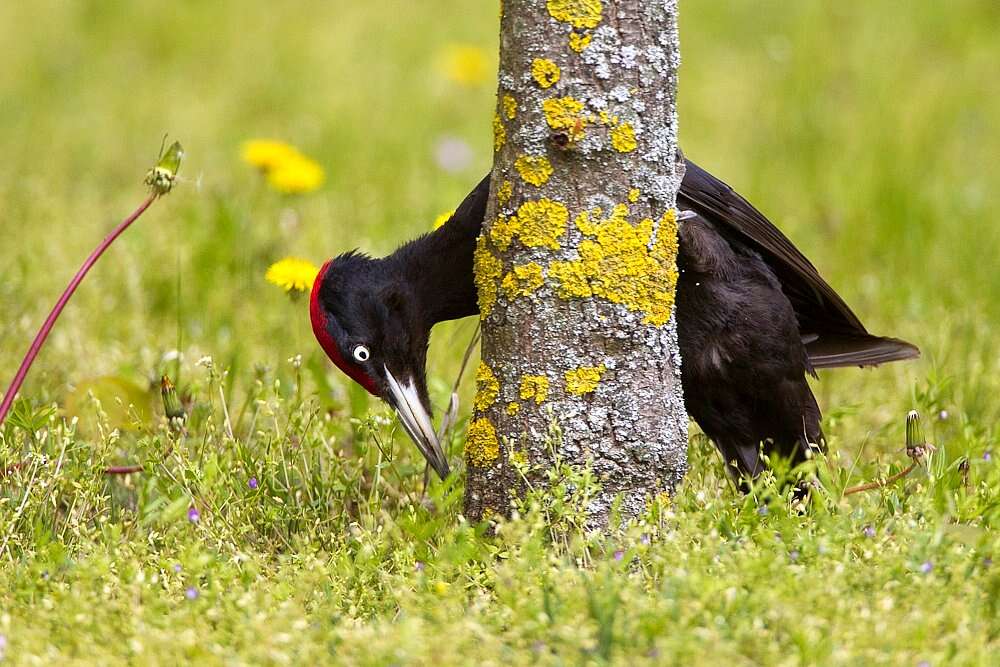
513,408
523,280
540,223
545,72
505,192
620,265
482,447
499,133
487,388
509,106
578,13
502,232
633,195
623,138
487,268
584,380
533,169
534,387
665,248
579,41
565,114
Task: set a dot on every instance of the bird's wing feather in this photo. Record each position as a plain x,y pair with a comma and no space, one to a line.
837,336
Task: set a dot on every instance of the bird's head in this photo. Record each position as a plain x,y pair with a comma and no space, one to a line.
371,327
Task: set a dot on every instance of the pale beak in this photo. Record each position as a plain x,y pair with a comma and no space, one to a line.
417,422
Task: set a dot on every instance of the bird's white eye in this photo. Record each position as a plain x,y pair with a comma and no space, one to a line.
361,353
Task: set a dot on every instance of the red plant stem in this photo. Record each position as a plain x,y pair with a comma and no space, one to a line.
43,333
871,486
123,470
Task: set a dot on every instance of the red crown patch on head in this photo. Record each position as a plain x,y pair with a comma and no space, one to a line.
326,341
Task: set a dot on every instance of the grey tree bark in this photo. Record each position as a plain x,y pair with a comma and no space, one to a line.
576,267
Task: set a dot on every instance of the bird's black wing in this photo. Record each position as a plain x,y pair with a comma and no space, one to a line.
833,333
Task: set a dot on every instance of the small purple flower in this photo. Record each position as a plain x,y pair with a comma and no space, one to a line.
252,483
177,568
943,415
927,567
619,555
987,456
762,510
645,539
987,561
3,645
418,566
194,516
869,532
793,555
191,593
924,663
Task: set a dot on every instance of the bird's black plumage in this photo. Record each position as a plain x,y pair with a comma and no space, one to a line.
754,317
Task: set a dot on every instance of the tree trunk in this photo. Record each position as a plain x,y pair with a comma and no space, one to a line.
576,267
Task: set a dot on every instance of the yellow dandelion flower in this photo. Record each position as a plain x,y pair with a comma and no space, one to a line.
292,274
296,176
267,154
443,218
464,64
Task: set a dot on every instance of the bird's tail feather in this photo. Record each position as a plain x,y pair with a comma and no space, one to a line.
840,351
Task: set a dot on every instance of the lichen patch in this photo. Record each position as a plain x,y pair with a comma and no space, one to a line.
487,268
502,232
509,105
623,138
545,72
578,13
523,280
584,380
620,262
533,169
565,114
534,387
499,133
487,388
579,41
482,447
540,224
505,192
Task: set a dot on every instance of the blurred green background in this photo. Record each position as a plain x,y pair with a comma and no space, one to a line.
867,133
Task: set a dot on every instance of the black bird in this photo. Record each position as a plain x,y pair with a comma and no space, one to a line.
753,318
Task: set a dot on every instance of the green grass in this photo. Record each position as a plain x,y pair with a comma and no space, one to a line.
868,133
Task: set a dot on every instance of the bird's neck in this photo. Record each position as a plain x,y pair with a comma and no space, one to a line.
438,266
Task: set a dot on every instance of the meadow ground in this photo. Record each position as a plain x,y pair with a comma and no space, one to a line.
868,132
